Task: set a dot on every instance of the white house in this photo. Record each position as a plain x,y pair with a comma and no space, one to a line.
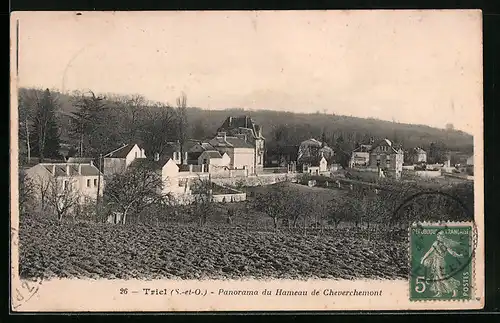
83,180
315,165
119,159
245,128
241,153
169,171
214,161
418,155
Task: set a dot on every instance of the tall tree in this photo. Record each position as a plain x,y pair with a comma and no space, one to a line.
45,138
158,126
182,122
93,126
25,118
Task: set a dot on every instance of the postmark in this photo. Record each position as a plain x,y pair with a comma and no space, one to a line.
22,289
441,260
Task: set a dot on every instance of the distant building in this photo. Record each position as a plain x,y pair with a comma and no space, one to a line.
245,128
311,151
417,155
360,157
119,159
240,151
82,179
384,156
315,165
213,161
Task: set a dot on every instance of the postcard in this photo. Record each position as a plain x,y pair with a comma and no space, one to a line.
246,161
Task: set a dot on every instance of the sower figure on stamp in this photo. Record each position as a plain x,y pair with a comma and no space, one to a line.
434,260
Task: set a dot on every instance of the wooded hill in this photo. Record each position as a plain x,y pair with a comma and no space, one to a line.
289,129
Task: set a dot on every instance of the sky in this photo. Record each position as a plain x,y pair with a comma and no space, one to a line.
422,67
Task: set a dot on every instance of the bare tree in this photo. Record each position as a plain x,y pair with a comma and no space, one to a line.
26,110
26,191
276,204
134,190
42,190
182,122
157,127
63,196
204,204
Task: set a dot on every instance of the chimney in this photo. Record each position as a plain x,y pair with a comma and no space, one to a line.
91,162
157,156
67,170
54,169
80,169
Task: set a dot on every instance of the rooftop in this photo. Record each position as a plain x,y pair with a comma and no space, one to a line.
75,169
121,152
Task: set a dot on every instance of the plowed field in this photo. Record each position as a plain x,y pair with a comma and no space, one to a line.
52,249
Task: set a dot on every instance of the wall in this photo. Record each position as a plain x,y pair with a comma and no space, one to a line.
184,199
428,173
261,179
228,198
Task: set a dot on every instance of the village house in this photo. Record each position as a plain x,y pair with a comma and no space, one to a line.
245,128
213,161
360,157
315,165
385,156
418,155
311,152
168,170
240,151
82,180
119,159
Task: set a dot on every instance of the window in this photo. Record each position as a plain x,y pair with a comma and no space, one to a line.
136,154
95,182
88,183
65,184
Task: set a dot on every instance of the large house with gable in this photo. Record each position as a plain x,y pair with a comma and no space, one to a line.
245,128
383,155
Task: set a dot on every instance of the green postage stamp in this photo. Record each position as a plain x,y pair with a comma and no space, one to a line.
441,261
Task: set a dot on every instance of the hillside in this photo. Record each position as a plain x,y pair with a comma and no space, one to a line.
304,126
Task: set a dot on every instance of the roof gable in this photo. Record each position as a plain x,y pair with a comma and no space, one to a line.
212,154
121,152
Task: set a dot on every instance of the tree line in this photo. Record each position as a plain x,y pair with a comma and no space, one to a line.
98,123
